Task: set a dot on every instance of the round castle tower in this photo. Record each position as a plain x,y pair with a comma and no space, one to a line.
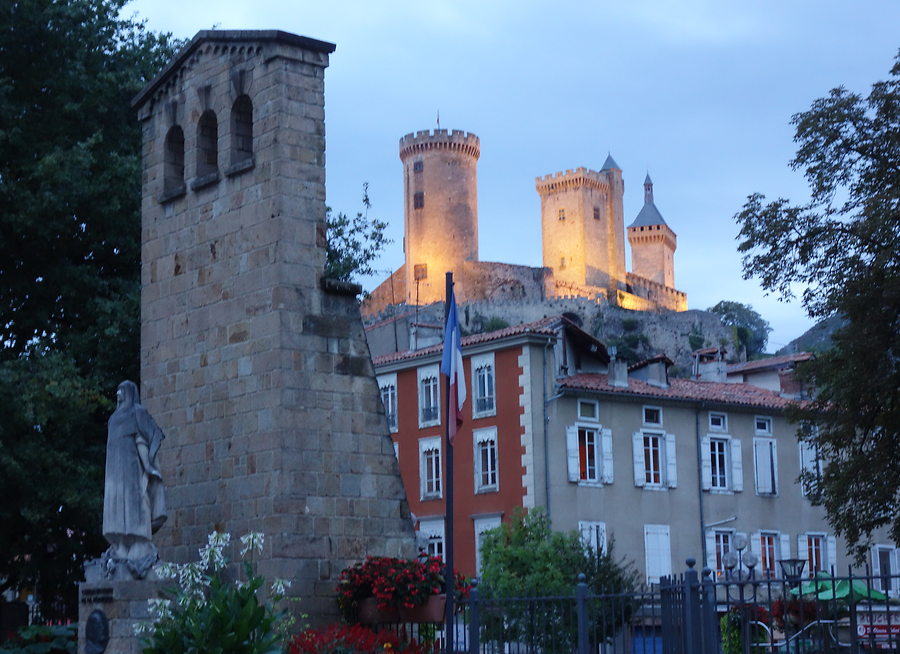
440,210
652,242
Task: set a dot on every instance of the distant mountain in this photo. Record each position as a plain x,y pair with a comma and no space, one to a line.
816,339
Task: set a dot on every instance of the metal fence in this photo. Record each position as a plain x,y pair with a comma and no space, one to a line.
692,613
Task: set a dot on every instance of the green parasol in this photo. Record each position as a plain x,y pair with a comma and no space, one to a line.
824,589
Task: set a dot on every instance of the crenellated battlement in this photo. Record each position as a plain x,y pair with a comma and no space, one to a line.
571,179
440,139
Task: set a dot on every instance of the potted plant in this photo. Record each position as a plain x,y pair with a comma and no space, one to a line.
396,589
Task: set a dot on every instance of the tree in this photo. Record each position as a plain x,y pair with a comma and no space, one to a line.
525,558
70,192
748,327
353,244
843,247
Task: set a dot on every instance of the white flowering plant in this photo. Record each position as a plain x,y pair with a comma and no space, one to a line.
209,614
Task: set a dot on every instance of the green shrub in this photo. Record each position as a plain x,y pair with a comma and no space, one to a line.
38,639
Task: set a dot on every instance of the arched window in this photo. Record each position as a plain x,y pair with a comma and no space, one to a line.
173,170
241,129
207,144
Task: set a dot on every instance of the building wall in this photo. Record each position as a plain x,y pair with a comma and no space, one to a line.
440,173
258,372
652,253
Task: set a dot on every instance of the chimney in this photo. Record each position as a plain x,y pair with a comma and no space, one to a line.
618,370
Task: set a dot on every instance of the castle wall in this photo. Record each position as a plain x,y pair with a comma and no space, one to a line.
652,254
664,296
256,369
390,292
440,192
484,280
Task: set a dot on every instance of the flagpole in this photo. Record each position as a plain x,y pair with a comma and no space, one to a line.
450,579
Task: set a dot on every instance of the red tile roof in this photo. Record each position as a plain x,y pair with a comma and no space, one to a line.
771,362
388,321
538,327
681,389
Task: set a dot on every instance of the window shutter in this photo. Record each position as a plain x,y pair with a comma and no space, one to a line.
737,466
755,538
637,452
671,468
876,569
607,455
711,551
763,466
705,464
785,547
572,453
831,549
895,562
803,551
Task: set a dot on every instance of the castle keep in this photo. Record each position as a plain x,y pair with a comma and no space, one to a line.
582,227
256,368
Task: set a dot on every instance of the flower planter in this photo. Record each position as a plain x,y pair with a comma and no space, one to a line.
433,611
369,613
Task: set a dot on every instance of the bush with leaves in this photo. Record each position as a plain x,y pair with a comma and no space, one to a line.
356,639
209,614
353,243
38,639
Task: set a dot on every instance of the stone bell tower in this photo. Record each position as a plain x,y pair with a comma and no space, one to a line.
254,366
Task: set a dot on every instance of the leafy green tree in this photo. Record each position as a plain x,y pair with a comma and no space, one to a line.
353,243
525,558
70,192
748,327
843,248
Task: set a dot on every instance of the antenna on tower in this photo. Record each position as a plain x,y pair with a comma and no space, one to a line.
439,118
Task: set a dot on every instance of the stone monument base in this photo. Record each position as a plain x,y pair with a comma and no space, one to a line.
123,603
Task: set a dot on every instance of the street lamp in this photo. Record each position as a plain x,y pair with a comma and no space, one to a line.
792,570
733,563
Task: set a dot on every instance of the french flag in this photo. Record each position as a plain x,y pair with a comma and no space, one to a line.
452,367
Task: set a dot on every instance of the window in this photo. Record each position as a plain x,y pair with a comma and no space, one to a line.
207,144
718,544
429,396
420,270
653,415
433,529
657,552
430,468
770,547
596,213
818,550
885,568
241,130
562,214
486,474
418,166
654,460
722,464
481,526
483,403
173,165
589,454
588,410
811,466
562,262
763,426
718,421
418,200
766,466
593,534
387,384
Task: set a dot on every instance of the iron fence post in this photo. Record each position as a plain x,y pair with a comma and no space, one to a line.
708,621
692,628
582,615
474,626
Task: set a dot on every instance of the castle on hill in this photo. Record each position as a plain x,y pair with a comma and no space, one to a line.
582,226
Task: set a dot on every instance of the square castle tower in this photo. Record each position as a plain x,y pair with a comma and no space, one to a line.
255,367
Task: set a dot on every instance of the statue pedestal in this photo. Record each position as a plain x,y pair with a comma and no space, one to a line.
123,603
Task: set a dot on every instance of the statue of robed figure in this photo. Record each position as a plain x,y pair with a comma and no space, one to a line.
134,505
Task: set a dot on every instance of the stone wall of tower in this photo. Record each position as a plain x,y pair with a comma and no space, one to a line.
652,253
582,228
255,367
440,193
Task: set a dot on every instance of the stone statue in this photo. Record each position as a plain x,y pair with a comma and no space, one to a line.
134,505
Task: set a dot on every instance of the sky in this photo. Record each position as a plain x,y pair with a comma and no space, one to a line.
699,93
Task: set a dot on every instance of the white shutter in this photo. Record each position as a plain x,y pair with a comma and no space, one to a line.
657,552
763,465
876,569
671,468
831,559
895,561
737,466
785,549
803,551
711,551
572,453
755,538
637,452
705,464
606,445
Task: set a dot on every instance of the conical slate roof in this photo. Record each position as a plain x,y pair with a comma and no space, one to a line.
610,163
649,214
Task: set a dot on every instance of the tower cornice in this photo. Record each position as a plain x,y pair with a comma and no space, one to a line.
440,139
571,179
